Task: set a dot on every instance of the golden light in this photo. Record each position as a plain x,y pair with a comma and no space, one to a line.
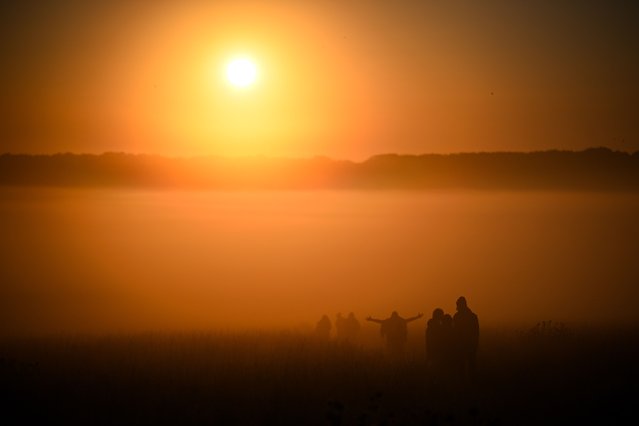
241,72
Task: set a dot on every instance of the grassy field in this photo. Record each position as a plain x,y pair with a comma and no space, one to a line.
551,376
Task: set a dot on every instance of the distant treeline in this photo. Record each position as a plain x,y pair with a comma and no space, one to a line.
592,169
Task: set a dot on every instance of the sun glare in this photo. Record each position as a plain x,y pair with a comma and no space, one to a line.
241,72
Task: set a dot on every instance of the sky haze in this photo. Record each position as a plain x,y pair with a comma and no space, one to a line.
343,79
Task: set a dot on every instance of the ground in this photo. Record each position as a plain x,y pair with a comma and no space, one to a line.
552,376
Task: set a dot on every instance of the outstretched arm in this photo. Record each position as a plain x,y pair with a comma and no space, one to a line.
371,319
418,316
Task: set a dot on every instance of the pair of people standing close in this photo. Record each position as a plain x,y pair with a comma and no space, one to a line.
451,342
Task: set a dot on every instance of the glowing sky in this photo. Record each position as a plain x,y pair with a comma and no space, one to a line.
347,79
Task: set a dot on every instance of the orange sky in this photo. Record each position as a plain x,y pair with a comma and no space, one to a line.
346,79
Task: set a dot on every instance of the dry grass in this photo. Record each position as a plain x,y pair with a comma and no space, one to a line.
288,378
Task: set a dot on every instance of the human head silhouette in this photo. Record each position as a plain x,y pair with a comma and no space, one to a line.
461,303
394,314
438,313
447,320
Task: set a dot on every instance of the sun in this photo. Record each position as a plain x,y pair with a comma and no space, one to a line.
241,72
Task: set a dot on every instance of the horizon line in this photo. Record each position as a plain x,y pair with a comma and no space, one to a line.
600,148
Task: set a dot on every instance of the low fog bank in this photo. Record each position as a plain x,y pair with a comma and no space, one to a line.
112,261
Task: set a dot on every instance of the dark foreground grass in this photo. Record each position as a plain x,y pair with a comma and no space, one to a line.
287,378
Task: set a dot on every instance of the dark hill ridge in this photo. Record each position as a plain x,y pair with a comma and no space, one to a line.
592,169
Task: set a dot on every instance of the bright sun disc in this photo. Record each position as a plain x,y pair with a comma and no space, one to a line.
241,72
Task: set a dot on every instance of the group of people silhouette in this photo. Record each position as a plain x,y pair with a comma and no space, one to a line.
346,329
451,341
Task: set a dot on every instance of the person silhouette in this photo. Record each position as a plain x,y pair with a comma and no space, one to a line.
466,328
352,327
323,328
435,340
449,348
441,354
395,330
341,327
